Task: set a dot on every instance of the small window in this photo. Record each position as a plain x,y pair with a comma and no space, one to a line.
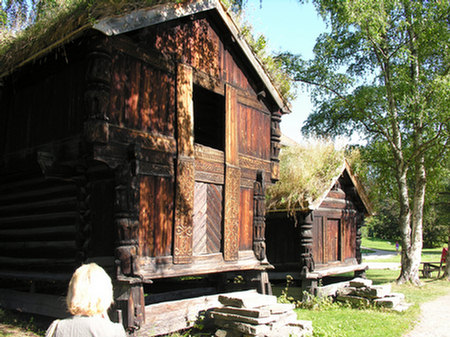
209,118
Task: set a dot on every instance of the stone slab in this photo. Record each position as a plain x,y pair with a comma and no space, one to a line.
360,282
278,308
247,300
387,302
255,312
353,300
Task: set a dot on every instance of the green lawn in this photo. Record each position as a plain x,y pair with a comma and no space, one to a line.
428,254
341,321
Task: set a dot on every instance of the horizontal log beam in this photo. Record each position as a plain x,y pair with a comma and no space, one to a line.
38,217
162,267
51,203
34,276
68,246
68,189
34,262
38,231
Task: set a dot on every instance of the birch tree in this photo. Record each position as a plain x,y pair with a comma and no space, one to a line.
383,71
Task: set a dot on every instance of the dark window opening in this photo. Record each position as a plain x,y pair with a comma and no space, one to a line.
209,118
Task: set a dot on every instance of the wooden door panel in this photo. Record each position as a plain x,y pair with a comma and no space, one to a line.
318,240
208,219
332,240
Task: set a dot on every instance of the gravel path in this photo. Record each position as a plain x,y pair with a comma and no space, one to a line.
434,319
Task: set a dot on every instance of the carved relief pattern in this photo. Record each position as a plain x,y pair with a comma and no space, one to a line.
259,225
84,223
184,207
126,219
231,221
275,136
306,243
98,81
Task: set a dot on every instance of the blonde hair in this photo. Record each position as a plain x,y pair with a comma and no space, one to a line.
90,291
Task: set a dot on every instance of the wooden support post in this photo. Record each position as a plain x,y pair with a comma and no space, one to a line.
307,260
184,199
129,305
232,177
259,224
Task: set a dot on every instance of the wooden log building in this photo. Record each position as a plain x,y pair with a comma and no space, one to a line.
322,239
143,142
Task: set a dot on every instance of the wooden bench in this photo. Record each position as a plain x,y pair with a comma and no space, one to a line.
429,267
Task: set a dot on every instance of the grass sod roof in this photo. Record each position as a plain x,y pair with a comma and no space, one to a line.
67,22
307,173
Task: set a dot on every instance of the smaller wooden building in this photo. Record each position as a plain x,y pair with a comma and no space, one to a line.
322,239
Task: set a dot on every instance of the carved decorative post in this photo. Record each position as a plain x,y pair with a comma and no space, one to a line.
306,243
232,186
275,137
126,220
259,225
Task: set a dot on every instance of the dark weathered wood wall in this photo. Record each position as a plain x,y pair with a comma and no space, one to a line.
124,101
334,231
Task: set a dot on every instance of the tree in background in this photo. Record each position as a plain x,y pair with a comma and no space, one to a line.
383,71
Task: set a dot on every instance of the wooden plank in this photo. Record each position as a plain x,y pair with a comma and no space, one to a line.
167,317
69,189
200,219
207,232
336,270
214,218
38,217
231,127
61,231
184,198
246,219
185,111
163,267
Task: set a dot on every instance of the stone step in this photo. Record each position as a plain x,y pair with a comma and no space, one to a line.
360,282
356,300
388,302
278,308
247,300
255,312
373,291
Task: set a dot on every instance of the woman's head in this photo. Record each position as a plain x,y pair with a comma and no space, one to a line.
90,291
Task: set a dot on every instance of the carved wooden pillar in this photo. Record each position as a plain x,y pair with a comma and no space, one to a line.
275,137
306,242
98,88
126,216
232,177
259,225
185,178
84,222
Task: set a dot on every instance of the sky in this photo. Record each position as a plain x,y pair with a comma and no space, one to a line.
294,27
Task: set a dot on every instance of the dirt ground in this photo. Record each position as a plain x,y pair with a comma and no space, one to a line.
434,319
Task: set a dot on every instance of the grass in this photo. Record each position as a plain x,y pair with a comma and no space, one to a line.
341,321
428,254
